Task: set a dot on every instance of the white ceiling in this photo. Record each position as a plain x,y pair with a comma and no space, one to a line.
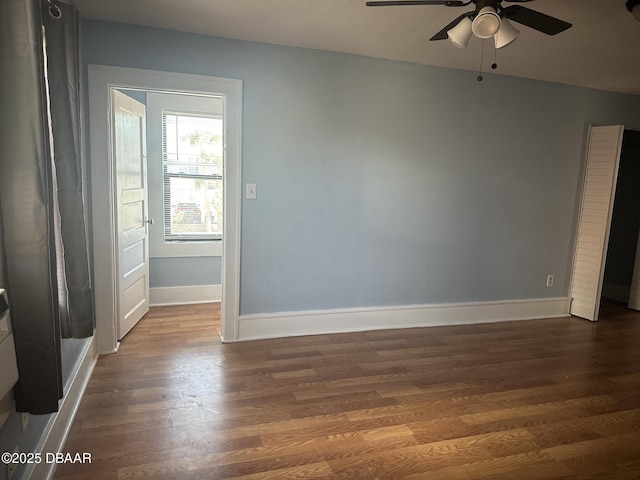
599,51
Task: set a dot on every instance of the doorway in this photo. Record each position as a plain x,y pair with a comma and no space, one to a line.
594,230
103,79
625,224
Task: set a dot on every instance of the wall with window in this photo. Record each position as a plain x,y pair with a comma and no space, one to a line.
384,183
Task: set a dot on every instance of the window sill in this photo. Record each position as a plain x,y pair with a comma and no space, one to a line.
186,249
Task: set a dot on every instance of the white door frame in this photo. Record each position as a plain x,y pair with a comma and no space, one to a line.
101,80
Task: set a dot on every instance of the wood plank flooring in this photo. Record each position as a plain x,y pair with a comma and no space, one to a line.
531,400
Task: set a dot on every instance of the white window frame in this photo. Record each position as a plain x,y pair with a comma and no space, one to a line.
168,175
157,104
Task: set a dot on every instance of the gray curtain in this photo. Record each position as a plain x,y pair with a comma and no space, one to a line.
29,200
63,75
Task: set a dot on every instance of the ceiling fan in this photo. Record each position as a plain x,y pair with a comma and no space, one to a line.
488,19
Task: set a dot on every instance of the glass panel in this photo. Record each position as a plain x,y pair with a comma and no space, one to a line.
195,206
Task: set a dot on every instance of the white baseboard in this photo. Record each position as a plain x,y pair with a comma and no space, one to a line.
184,295
57,429
290,324
621,293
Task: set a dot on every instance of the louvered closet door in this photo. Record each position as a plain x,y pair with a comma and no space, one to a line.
603,158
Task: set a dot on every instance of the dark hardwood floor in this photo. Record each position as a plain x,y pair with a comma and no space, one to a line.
528,400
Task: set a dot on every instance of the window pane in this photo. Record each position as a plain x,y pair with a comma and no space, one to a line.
193,169
195,207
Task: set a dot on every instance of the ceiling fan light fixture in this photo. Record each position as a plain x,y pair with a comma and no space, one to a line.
506,34
461,33
486,23
634,7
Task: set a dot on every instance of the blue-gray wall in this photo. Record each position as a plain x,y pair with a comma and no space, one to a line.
184,271
386,183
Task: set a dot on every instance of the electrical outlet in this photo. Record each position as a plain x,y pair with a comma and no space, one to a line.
24,420
11,467
550,280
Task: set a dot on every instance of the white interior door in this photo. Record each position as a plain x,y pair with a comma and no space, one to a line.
129,147
603,159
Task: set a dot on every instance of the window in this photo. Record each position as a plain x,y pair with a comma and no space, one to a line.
192,163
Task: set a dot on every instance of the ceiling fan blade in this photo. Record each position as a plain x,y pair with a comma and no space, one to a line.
390,3
442,34
536,20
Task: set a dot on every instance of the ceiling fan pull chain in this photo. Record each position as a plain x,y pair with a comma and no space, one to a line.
494,65
480,77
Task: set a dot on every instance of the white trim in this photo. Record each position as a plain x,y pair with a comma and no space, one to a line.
184,295
101,79
102,214
290,324
58,427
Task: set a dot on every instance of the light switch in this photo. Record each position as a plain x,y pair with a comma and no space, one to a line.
251,191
